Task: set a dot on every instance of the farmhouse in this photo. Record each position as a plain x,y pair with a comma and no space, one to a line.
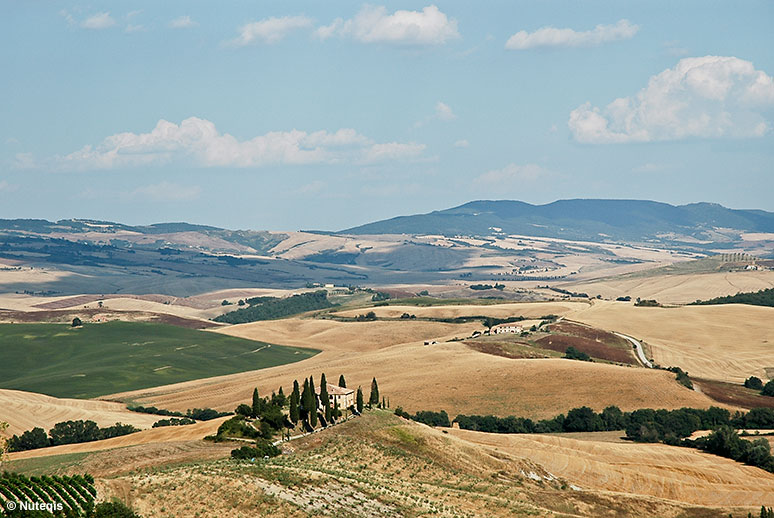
344,396
507,328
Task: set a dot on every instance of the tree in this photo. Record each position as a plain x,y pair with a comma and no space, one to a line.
244,410
373,399
753,382
77,322
305,403
312,403
257,407
295,397
768,389
359,400
342,382
325,400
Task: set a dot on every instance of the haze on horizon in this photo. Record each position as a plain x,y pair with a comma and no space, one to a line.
292,116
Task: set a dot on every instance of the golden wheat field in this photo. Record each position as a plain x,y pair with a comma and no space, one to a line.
678,289
25,410
726,342
153,436
447,375
658,470
525,309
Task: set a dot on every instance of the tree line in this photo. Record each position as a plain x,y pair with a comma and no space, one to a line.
66,432
757,298
277,308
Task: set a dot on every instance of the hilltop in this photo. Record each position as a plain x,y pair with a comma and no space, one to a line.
580,219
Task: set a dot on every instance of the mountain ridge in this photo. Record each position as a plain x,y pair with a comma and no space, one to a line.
581,219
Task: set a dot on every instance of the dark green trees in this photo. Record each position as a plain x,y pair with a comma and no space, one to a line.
325,400
312,405
295,399
256,403
77,322
373,399
359,400
753,382
342,382
768,389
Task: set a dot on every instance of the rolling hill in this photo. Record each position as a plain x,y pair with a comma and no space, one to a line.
587,220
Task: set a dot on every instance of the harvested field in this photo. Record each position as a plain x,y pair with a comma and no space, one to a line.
657,470
733,394
190,432
506,349
448,376
725,342
26,410
331,335
677,289
560,343
525,309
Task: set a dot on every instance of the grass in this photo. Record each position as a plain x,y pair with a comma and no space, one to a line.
97,359
45,465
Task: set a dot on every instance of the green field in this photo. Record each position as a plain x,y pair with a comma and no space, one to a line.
98,359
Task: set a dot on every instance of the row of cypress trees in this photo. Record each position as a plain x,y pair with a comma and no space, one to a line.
303,401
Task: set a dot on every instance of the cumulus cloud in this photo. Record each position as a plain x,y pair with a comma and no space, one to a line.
167,191
182,22
444,112
98,21
130,29
706,97
269,30
553,37
462,143
373,24
197,142
513,173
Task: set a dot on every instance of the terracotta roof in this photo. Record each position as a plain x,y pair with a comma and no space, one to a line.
335,390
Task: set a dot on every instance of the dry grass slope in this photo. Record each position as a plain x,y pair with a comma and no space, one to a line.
726,342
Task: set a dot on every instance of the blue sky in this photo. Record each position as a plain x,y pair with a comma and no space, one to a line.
294,115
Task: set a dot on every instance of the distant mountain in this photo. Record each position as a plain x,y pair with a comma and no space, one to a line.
589,220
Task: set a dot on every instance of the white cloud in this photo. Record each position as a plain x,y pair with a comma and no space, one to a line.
706,97
134,28
373,24
269,30
197,142
98,21
182,22
444,112
462,143
513,173
553,37
166,191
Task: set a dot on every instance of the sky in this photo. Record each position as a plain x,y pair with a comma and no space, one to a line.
312,115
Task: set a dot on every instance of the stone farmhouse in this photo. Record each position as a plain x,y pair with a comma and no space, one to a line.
345,397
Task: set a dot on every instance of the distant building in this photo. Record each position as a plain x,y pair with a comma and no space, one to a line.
507,328
344,396
430,342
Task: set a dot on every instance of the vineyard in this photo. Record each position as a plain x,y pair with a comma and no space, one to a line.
70,495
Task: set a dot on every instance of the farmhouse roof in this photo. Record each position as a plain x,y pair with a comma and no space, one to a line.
335,390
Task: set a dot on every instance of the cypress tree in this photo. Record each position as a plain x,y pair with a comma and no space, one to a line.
325,399
342,382
294,415
373,399
256,403
359,399
305,404
312,403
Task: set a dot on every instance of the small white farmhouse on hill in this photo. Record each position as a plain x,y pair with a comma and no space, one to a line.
344,396
507,328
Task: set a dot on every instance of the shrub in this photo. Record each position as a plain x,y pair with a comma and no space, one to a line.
574,354
768,389
754,383
261,449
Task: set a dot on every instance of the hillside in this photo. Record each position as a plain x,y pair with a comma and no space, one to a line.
588,220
